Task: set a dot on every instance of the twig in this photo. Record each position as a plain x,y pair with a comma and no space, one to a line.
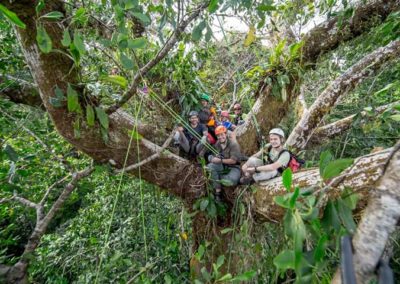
149,159
46,195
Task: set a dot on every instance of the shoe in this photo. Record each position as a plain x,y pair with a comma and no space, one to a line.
246,180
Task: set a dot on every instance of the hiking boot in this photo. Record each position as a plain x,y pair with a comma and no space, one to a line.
246,180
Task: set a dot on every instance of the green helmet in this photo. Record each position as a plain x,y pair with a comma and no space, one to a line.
206,97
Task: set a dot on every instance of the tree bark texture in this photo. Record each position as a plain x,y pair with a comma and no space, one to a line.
378,221
169,171
268,111
305,128
360,177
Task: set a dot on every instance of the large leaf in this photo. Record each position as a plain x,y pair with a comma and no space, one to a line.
220,261
247,276
285,260
12,17
79,44
331,219
66,40
116,79
324,160
198,30
137,43
43,39
142,17
287,178
90,115
103,117
334,168
127,62
346,216
213,6
73,100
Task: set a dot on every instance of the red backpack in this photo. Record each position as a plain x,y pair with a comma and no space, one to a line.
295,163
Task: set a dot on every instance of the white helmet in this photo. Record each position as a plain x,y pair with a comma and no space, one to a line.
277,131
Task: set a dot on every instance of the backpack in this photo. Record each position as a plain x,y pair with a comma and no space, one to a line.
295,163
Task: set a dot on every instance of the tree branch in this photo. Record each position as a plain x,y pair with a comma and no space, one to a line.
160,55
333,129
305,128
361,177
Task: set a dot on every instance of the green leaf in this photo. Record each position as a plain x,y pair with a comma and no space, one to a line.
350,199
285,260
142,17
43,39
12,17
293,199
294,49
73,100
136,135
247,276
103,117
250,37
11,154
346,216
226,277
220,261
213,6
197,31
137,43
334,168
212,210
116,79
208,34
282,201
319,251
104,134
204,204
54,15
395,117
66,40
324,160
266,8
39,7
287,178
90,115
78,42
200,252
331,219
127,62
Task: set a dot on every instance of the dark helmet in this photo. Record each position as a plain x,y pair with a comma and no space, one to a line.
193,113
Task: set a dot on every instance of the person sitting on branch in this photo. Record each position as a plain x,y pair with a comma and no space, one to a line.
238,120
225,120
192,139
207,113
224,168
269,162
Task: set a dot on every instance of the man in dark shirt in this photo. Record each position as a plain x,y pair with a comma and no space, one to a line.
192,139
224,168
237,108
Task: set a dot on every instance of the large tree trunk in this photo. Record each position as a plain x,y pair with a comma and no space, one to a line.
268,110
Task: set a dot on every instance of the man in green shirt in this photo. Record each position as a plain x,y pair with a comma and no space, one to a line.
269,161
225,167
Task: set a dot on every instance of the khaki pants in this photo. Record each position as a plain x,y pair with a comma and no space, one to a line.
255,162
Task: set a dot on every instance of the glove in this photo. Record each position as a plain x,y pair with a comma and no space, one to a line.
203,140
210,158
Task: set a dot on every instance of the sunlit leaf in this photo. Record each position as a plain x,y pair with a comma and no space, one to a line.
72,100
12,17
116,79
334,168
287,178
213,6
250,37
285,260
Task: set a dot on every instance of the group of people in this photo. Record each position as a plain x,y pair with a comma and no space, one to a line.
210,136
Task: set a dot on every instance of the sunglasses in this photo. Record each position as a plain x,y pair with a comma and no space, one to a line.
237,109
